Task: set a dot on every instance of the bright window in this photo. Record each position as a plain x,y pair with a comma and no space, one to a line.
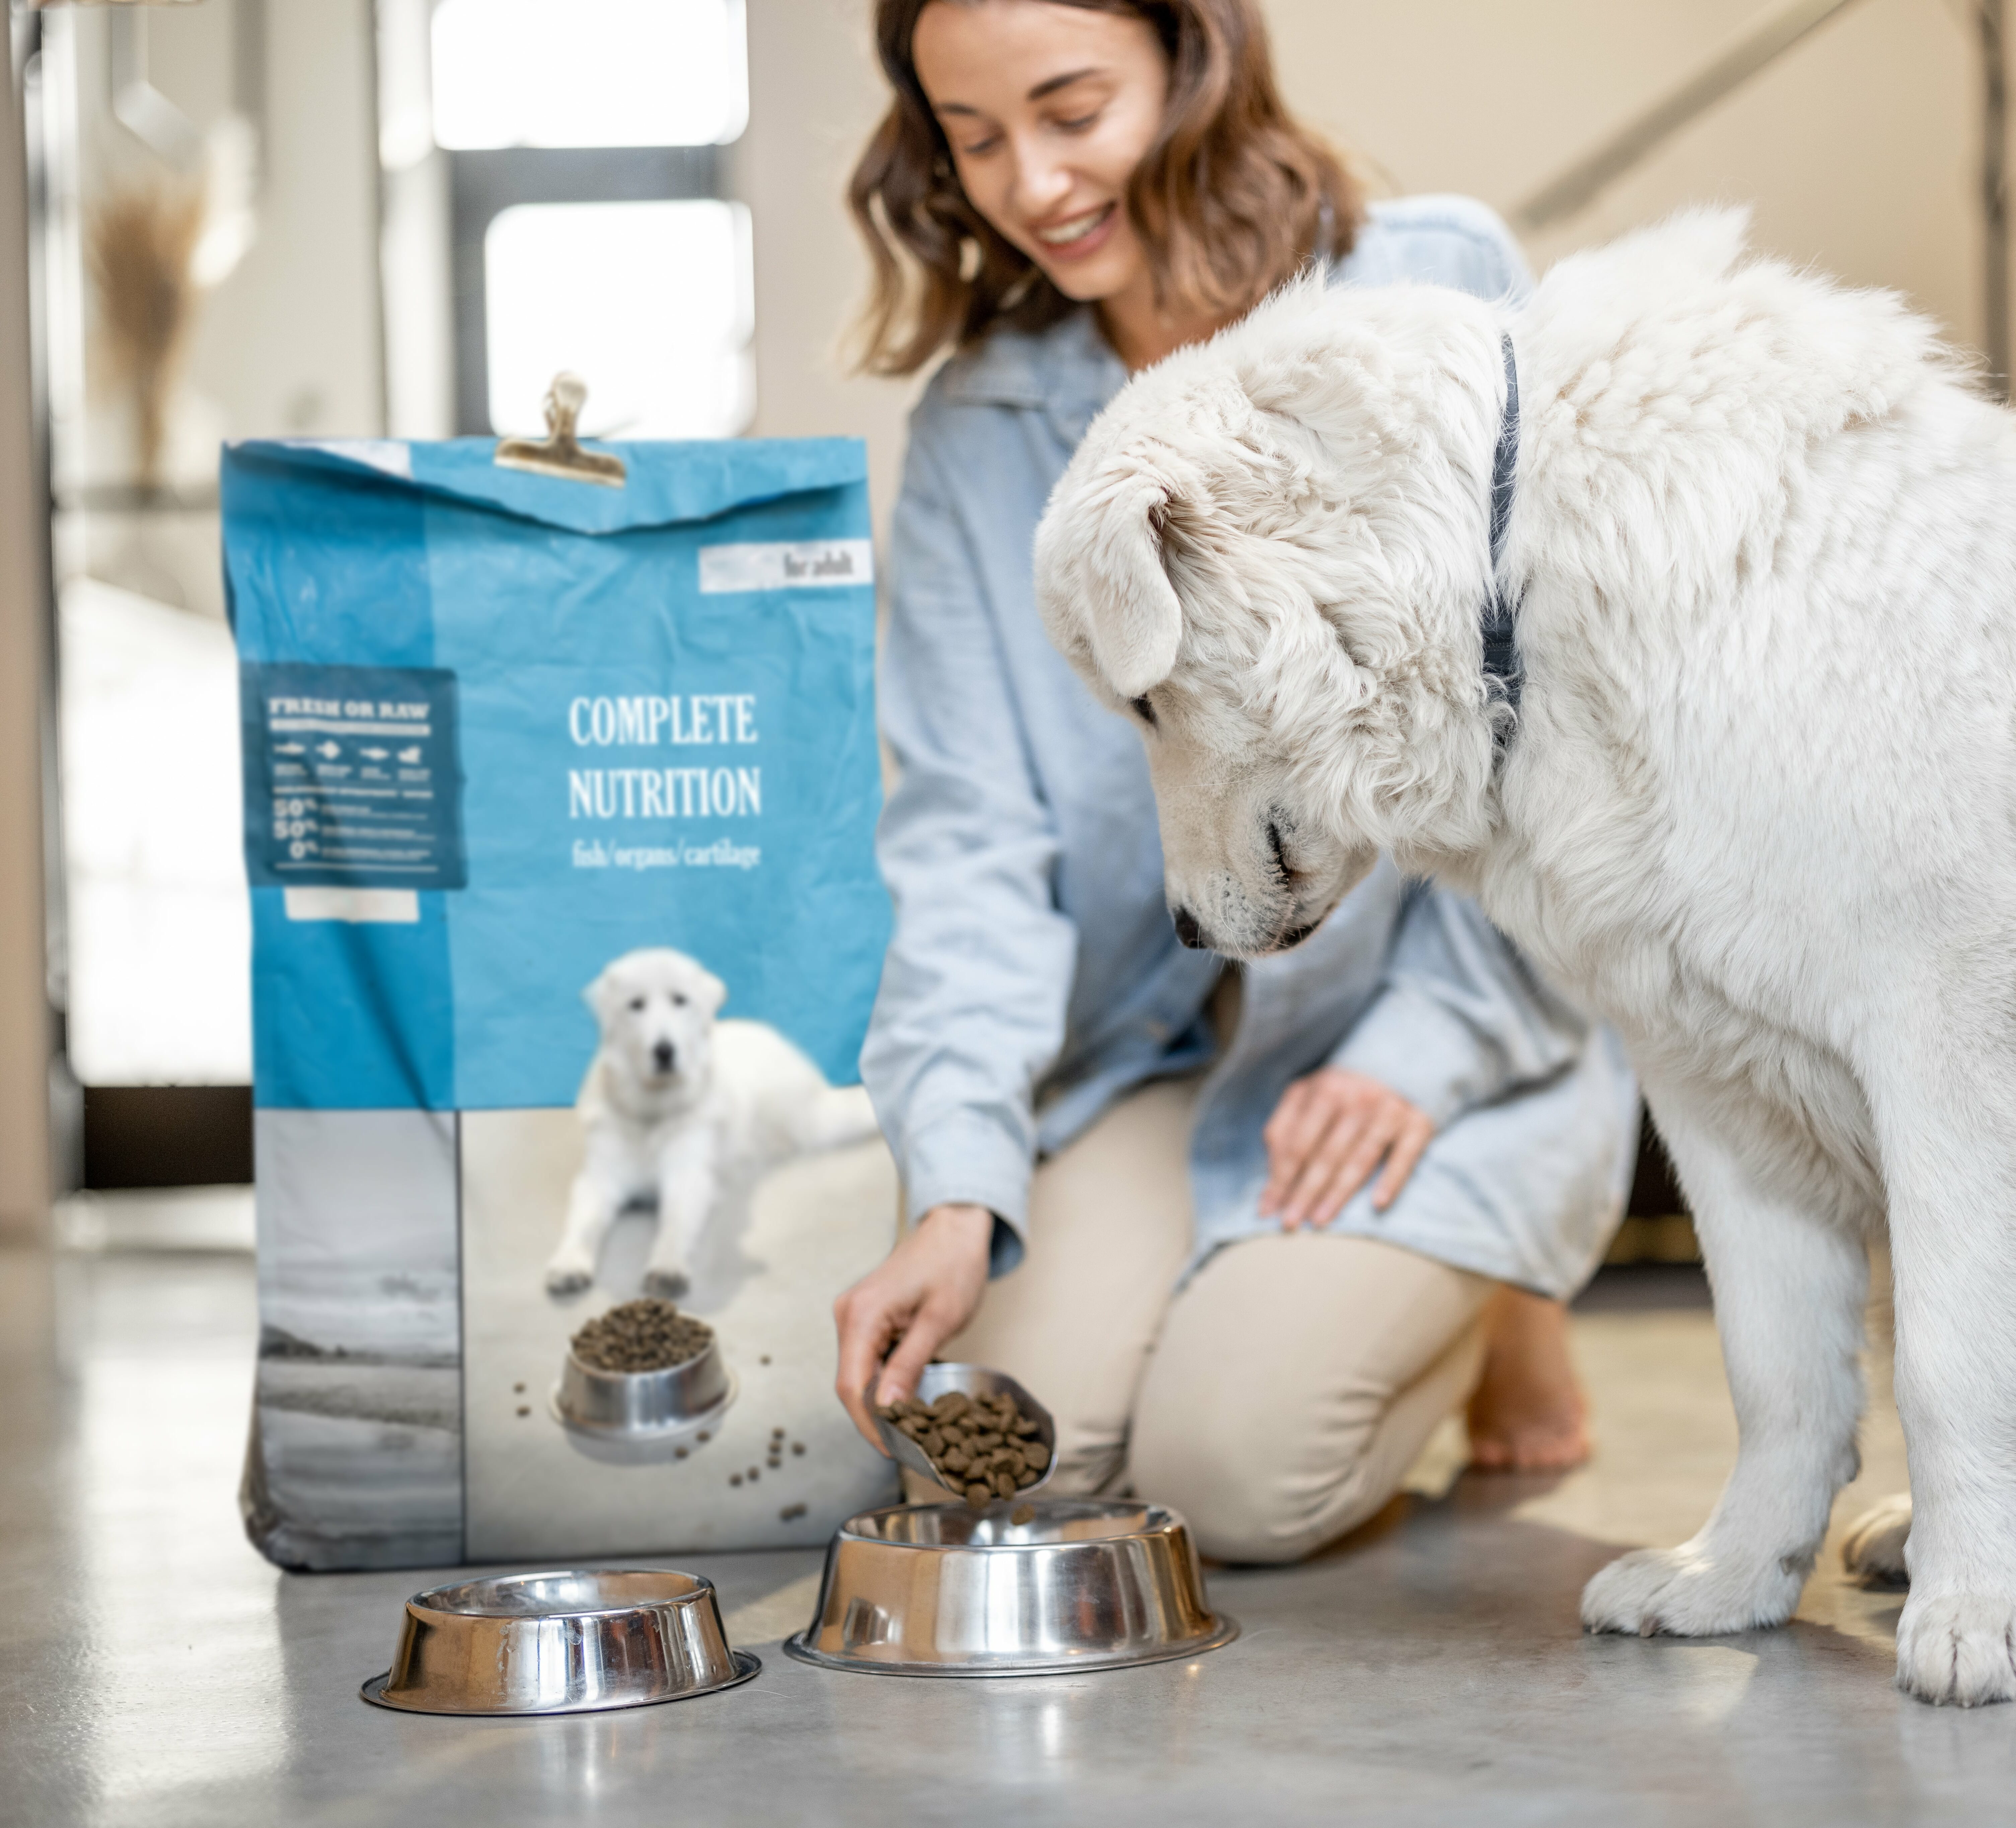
588,72
160,924
650,303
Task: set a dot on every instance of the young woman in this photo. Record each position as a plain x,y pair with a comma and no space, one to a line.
1255,1234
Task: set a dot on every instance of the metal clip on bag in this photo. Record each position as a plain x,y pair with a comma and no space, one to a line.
502,729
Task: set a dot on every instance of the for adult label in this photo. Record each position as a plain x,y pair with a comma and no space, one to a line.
353,777
787,565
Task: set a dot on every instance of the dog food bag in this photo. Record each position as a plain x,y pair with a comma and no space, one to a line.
559,805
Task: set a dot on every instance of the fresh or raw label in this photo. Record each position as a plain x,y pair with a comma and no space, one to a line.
353,777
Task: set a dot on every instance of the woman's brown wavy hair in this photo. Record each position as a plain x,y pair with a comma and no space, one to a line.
1232,197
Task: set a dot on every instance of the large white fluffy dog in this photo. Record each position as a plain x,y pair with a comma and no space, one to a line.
1757,806
686,1109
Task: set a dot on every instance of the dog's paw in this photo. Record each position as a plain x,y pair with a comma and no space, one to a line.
564,1278
1874,1549
1686,1593
1958,1650
667,1284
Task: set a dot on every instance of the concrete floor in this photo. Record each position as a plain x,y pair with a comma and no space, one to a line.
155,1671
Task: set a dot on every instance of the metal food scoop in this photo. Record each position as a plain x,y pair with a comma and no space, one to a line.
974,1380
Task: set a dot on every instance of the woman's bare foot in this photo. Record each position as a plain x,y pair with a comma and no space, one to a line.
1527,1414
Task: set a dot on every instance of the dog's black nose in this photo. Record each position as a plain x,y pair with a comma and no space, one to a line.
662,1055
1187,929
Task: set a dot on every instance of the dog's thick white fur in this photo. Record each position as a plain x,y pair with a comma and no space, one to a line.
682,1107
1759,808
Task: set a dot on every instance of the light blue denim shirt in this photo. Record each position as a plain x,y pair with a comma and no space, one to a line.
1034,976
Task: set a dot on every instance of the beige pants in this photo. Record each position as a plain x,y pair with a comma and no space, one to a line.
1277,1401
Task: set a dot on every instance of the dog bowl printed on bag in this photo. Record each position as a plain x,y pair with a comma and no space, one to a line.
659,1405
943,1589
571,1641
936,1381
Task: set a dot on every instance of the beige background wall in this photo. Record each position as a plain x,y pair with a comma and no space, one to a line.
23,1012
814,94
1858,148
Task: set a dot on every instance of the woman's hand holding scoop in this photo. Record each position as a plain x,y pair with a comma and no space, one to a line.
922,1293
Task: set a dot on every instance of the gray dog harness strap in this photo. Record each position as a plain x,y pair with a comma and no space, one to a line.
1501,640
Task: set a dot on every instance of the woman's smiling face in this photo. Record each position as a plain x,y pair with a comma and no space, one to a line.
1048,109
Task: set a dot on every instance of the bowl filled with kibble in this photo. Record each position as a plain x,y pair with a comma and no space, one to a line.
974,1432
643,1371
1002,1581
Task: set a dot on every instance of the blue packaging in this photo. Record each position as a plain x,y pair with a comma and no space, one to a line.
500,729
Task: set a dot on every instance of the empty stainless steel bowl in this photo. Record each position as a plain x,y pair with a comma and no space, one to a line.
565,1642
645,1405
974,1380
941,1589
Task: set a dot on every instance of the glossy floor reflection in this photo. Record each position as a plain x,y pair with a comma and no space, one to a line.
155,1671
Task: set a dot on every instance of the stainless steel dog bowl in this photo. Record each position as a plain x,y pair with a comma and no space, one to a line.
941,1589
975,1380
565,1642
645,1405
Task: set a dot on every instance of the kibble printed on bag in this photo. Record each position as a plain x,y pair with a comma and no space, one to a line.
646,1335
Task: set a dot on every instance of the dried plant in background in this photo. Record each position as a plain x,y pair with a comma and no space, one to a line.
142,242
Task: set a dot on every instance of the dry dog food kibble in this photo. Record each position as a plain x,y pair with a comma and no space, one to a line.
982,1445
646,1335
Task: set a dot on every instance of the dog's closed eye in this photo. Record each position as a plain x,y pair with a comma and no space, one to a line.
637,1002
679,997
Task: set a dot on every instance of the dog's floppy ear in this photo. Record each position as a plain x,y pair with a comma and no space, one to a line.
1101,582
710,992
595,993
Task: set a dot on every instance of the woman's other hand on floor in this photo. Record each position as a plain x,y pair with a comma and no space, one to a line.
1327,1138
924,1292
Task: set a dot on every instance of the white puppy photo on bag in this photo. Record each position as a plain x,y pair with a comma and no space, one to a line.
1672,612
686,1111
